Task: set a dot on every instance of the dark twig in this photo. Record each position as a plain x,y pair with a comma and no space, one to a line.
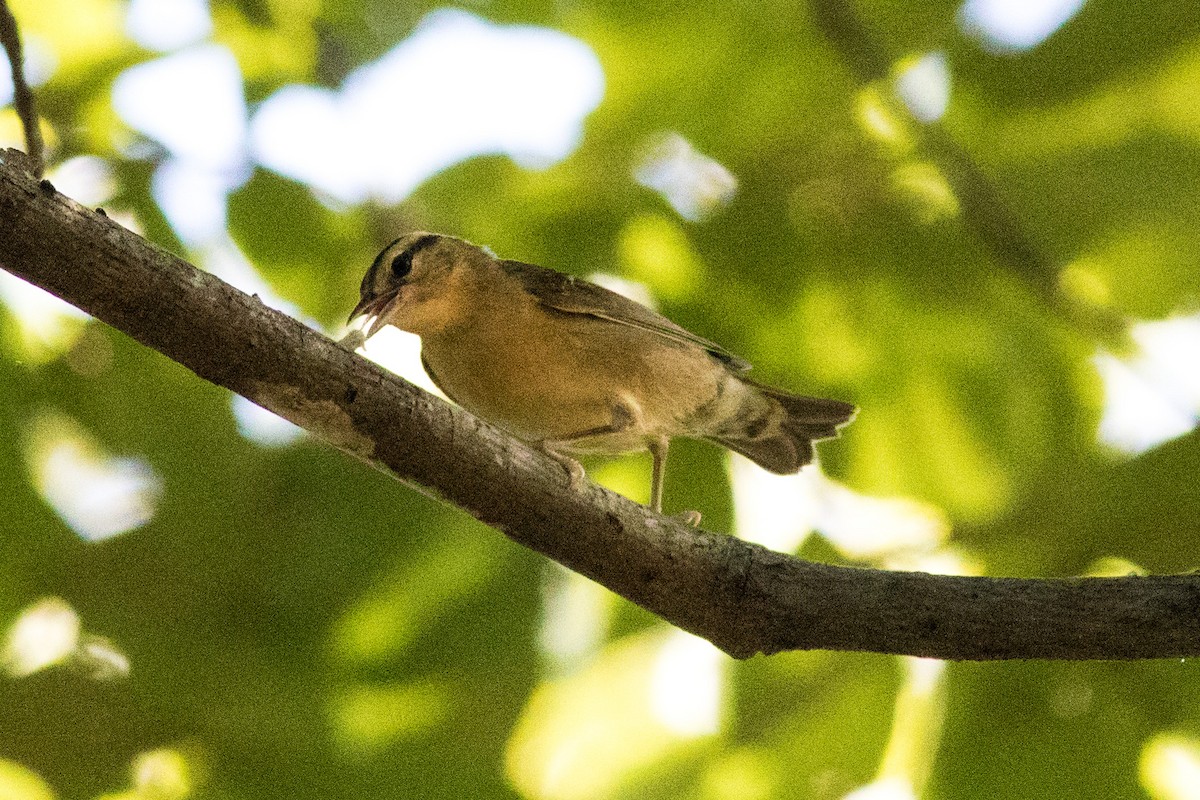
22,94
982,204
869,60
743,598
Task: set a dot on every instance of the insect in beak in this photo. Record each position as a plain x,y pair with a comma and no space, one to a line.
375,308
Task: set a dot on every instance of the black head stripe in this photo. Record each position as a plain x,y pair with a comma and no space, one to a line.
422,243
368,281
402,264
379,258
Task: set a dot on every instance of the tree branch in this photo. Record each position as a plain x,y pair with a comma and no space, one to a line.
22,96
743,598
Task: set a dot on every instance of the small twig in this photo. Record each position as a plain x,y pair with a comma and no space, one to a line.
870,61
983,207
22,94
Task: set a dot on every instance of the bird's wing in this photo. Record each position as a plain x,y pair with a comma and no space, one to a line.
573,295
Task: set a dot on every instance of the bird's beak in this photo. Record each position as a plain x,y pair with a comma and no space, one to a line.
373,307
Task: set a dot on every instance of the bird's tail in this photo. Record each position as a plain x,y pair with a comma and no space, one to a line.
776,430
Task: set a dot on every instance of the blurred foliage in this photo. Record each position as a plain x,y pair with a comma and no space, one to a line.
290,624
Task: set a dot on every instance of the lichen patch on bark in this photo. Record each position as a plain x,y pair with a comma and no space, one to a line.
325,418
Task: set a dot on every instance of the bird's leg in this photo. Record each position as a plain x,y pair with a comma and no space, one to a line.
658,450
622,418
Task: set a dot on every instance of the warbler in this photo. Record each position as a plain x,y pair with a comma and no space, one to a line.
575,368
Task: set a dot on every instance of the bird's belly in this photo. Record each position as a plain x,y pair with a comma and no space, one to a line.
539,393
532,398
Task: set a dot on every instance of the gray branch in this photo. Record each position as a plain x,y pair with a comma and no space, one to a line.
743,598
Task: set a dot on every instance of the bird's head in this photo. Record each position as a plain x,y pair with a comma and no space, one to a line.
420,283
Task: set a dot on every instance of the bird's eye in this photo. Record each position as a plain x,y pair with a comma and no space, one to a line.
402,264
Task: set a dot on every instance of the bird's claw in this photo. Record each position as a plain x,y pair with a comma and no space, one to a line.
575,472
689,518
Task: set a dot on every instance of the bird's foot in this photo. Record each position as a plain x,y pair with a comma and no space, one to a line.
575,472
689,518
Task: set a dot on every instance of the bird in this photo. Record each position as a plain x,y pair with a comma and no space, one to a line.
573,368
